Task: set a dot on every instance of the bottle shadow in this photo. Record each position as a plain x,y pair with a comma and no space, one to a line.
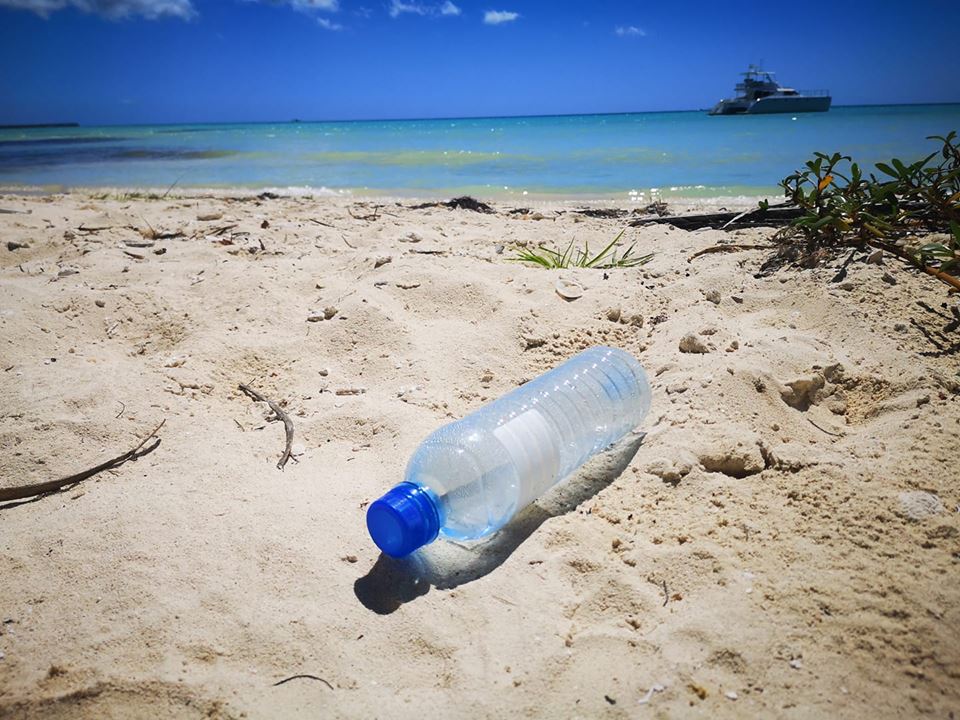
392,582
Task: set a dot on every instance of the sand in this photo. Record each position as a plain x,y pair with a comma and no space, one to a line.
781,542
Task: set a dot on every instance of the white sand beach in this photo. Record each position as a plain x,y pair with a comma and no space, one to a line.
782,541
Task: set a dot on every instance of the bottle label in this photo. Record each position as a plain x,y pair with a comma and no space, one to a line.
528,439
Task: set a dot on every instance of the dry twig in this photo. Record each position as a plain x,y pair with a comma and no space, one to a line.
369,216
278,411
823,429
303,677
728,248
28,491
950,280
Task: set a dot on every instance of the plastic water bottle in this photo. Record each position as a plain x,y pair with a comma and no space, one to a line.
469,478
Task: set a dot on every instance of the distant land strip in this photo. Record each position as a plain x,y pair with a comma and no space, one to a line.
39,125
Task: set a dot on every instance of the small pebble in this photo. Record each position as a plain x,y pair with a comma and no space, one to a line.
381,261
712,296
99,303
568,289
318,316
919,505
730,695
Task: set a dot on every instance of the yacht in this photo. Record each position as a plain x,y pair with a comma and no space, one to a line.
760,93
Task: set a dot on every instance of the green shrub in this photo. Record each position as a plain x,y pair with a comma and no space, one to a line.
844,208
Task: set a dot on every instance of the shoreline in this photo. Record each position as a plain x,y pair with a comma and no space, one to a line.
703,196
205,123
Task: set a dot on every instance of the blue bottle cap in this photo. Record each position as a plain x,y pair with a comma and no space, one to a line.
403,520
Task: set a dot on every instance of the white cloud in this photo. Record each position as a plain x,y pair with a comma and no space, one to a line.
630,31
308,5
498,17
331,5
328,24
399,7
112,9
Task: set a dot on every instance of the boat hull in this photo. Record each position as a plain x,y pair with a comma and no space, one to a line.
789,105
771,105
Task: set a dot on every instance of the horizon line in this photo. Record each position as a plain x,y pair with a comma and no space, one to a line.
298,121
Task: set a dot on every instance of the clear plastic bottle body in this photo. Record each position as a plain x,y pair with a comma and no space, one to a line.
481,470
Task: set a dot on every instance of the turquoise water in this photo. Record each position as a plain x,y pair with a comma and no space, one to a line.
685,153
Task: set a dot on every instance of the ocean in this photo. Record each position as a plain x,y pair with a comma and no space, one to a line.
619,156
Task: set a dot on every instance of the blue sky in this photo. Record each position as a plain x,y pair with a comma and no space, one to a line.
152,61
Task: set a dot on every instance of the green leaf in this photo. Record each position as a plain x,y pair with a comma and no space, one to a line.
823,222
887,170
937,250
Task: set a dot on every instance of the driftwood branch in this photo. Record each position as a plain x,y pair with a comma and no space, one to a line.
279,412
28,491
773,216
